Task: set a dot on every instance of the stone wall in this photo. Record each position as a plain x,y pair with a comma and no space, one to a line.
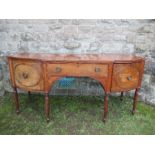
80,36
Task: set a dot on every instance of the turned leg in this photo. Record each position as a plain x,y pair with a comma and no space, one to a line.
135,101
29,94
122,96
105,107
16,99
47,108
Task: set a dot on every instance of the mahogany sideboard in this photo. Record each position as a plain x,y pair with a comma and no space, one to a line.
39,71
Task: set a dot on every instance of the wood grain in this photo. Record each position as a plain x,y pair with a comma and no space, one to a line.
39,71
125,76
75,69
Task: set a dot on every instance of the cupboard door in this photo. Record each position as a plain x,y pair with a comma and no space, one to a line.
126,76
28,75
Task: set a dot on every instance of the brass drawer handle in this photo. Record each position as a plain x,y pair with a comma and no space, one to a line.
97,69
58,69
129,78
25,75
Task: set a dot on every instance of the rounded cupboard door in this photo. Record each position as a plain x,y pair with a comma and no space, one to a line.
127,77
27,75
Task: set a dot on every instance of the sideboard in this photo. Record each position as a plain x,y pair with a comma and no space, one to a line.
39,71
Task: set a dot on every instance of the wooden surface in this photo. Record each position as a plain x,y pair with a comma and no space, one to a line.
126,76
102,58
99,70
28,75
39,71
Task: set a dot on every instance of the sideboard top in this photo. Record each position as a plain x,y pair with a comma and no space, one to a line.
76,57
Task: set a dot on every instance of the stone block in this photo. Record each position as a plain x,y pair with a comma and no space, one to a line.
87,21
85,29
146,79
117,47
153,67
82,36
94,46
14,36
15,28
153,79
65,36
71,29
3,45
11,21
3,28
146,29
23,46
75,21
152,53
65,21
85,47
111,37
12,46
72,45
2,21
27,36
40,46
107,21
152,88
142,46
34,45
3,36
131,37
99,30
8,86
26,21
55,27
128,48
35,28
57,45
37,21
51,21
37,36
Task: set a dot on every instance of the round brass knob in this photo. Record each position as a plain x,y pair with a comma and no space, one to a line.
129,78
25,75
58,69
97,69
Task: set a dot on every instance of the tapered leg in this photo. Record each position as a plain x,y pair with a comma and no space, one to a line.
122,96
105,107
47,107
135,101
16,99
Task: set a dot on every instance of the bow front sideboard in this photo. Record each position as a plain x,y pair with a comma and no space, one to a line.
38,72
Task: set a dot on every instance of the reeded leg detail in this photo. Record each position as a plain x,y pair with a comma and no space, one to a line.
122,96
135,101
47,107
105,107
15,94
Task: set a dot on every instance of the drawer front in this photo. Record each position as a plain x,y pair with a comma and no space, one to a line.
125,76
28,75
71,69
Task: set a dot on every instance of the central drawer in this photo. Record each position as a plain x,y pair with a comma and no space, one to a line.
74,69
